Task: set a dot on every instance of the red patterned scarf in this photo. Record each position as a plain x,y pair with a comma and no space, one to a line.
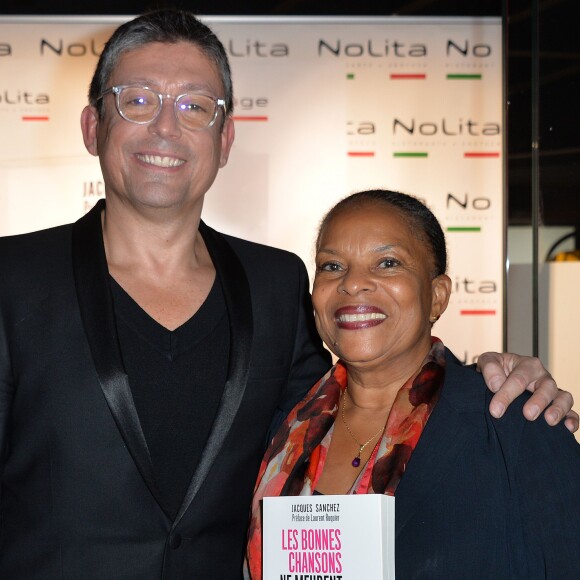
295,458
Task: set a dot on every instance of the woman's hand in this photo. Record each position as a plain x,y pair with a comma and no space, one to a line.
524,372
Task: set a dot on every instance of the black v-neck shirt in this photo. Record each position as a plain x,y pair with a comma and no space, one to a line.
177,379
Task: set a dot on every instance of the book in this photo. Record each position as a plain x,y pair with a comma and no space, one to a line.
329,537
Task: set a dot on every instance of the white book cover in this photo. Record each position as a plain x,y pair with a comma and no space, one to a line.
329,537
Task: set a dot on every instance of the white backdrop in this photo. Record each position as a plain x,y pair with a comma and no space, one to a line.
324,107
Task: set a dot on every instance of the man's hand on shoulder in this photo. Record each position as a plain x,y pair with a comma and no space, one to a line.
509,375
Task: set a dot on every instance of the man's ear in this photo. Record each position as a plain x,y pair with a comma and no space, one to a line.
89,126
228,135
440,294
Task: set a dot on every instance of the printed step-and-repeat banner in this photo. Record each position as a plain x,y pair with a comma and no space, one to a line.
324,107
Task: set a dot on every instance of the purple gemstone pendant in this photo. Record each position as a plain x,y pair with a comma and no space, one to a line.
356,462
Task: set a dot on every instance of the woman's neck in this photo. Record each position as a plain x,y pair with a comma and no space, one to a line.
375,386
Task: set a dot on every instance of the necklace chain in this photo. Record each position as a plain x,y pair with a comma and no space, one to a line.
361,446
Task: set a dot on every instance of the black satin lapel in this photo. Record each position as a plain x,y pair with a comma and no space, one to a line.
96,309
239,305
447,432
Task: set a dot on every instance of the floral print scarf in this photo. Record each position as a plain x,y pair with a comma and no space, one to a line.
295,458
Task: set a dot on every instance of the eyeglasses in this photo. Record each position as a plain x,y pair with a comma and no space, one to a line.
142,105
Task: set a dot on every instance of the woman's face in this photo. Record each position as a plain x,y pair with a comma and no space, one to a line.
374,295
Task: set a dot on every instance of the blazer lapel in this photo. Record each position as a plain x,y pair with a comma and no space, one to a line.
96,309
232,276
448,431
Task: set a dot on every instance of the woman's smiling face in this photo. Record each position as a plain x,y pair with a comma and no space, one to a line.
374,291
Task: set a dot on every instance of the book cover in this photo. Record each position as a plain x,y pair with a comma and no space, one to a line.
329,537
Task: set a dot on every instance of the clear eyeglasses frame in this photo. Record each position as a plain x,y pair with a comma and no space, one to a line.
142,105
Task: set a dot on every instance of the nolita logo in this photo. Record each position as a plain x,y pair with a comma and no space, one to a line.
253,47
30,105
23,97
75,49
60,47
398,49
475,298
447,127
371,48
464,201
465,285
467,213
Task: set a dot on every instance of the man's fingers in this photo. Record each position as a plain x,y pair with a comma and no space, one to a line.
545,391
526,373
562,404
572,421
491,366
512,388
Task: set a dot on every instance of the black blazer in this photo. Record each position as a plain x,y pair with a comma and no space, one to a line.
78,498
483,498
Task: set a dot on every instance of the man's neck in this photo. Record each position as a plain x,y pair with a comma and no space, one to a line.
163,264
143,234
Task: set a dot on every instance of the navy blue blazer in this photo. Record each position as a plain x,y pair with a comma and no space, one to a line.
487,498
78,499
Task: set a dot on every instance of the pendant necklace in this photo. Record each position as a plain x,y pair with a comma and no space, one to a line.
356,461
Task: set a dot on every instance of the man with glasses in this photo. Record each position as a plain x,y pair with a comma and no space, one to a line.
142,105
143,355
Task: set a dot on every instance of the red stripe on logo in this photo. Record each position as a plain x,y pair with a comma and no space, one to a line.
481,154
248,118
400,76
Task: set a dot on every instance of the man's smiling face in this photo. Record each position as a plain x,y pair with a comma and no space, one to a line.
160,164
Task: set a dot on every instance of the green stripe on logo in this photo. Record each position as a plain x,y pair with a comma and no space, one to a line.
476,77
